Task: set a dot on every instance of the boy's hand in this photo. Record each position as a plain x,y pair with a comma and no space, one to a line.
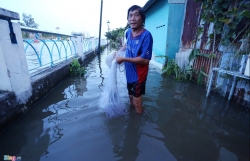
119,60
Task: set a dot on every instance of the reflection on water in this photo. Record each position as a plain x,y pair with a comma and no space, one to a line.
179,123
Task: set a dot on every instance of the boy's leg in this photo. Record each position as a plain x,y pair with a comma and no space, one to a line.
137,102
131,99
135,91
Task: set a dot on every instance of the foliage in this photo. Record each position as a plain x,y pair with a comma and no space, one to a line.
76,69
173,69
230,19
195,52
201,75
28,21
115,36
102,48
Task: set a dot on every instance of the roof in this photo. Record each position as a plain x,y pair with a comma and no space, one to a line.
148,4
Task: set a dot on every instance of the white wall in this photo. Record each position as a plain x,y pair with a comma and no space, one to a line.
5,84
14,69
181,58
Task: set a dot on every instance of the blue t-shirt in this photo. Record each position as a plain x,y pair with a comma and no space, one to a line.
140,45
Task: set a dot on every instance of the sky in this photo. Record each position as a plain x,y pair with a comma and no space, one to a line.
74,15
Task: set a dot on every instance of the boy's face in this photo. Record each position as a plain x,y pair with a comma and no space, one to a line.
135,19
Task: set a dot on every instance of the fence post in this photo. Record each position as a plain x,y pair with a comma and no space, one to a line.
13,65
79,45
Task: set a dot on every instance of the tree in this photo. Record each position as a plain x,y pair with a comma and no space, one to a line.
115,35
29,21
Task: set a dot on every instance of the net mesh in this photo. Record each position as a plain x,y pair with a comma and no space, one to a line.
110,100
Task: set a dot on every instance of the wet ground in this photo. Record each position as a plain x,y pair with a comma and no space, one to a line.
179,123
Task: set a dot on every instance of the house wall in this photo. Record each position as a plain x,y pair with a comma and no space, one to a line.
165,20
156,23
175,25
191,22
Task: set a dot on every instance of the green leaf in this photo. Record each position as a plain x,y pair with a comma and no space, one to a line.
212,56
227,21
245,13
193,55
225,42
203,73
76,69
233,36
218,31
211,36
225,5
208,42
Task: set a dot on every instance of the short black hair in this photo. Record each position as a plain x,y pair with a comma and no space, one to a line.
141,12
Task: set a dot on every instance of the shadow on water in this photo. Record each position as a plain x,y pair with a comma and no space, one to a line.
179,123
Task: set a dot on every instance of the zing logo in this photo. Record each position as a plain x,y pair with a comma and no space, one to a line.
12,158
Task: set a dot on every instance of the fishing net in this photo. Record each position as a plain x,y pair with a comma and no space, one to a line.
110,100
109,58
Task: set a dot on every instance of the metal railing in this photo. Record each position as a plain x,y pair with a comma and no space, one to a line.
46,49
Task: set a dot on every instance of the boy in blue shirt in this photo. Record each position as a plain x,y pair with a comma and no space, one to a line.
138,54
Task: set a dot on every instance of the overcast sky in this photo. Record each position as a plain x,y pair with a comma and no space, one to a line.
74,15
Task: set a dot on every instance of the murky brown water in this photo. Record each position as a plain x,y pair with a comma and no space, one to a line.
179,123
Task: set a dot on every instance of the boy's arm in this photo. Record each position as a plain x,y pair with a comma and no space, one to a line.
136,60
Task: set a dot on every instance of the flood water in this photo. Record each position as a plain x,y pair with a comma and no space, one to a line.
179,123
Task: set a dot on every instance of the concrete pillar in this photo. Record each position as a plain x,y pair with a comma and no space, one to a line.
79,45
5,84
92,44
14,74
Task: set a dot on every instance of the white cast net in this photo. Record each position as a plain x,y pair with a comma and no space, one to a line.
110,100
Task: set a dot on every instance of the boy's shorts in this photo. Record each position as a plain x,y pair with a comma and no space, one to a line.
136,89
